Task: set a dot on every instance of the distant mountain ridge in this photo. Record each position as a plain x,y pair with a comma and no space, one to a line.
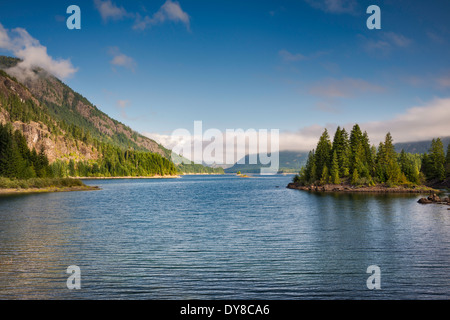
419,146
290,162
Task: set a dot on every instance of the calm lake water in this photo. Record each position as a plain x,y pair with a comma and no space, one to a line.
221,237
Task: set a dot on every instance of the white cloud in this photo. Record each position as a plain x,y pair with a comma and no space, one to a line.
397,39
290,57
33,54
386,42
331,91
334,6
293,57
122,60
328,106
166,140
4,38
425,122
436,38
229,147
343,88
304,139
431,81
108,10
417,123
444,82
122,105
169,11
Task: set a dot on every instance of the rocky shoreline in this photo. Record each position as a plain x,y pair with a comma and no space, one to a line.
354,189
435,199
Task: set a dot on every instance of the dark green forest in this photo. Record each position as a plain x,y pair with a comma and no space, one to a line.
115,162
350,159
198,168
18,161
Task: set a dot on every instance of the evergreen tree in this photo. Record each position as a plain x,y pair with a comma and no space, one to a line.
356,138
359,161
42,165
355,177
380,167
393,172
387,167
314,175
341,147
447,161
345,166
308,175
408,168
437,160
72,172
14,159
323,152
368,159
403,161
334,172
324,179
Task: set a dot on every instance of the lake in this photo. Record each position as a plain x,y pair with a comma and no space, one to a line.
221,237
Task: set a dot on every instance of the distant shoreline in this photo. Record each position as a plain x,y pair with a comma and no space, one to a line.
128,177
202,174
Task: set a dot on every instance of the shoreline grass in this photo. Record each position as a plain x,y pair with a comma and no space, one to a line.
40,185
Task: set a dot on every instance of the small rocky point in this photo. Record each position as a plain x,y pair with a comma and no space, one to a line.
435,199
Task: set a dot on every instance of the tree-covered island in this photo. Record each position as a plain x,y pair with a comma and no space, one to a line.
350,163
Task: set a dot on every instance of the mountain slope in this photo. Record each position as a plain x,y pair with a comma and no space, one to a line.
25,113
77,138
419,146
77,114
32,137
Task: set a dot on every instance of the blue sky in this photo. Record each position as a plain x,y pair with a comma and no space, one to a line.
297,66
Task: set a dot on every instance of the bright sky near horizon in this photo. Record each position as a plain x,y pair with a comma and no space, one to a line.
297,66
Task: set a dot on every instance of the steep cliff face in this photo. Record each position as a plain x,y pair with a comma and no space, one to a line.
56,147
38,134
